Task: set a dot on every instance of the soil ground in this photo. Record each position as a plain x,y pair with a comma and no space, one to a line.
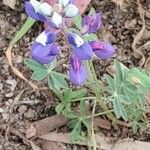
120,27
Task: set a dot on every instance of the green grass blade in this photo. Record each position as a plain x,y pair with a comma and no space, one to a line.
26,26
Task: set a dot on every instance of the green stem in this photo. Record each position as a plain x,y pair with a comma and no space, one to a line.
100,114
95,87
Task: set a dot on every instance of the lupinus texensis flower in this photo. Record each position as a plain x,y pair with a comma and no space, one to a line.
91,23
77,73
44,50
82,49
53,15
103,50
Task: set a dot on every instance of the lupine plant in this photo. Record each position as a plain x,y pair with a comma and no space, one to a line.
124,91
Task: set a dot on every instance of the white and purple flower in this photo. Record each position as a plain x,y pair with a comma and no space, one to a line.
44,49
82,49
53,15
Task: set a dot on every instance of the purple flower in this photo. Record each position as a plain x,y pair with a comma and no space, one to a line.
77,73
52,15
91,23
81,49
32,9
103,50
44,50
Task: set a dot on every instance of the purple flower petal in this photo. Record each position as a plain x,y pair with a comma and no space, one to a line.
44,54
32,12
46,37
75,39
92,23
103,50
77,73
84,52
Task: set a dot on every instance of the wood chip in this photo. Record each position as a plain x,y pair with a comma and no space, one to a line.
47,145
102,142
45,125
10,3
102,123
34,146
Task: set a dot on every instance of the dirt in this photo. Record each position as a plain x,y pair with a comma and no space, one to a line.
120,26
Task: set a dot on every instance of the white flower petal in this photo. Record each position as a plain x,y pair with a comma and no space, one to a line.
45,9
56,19
64,2
71,11
35,4
78,40
42,38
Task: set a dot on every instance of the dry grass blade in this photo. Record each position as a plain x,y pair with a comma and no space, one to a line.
139,34
15,70
10,3
34,147
102,142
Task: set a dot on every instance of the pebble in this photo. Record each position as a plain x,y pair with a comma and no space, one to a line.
19,59
30,113
11,82
22,109
9,94
1,86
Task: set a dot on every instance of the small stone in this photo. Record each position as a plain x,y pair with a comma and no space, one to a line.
29,114
19,59
12,82
9,94
5,116
1,110
1,86
22,109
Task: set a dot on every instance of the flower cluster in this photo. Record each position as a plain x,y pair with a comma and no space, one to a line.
44,49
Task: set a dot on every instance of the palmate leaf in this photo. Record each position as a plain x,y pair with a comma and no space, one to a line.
33,65
58,80
78,21
90,37
119,109
138,77
39,75
79,93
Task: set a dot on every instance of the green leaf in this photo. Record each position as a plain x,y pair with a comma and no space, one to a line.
78,21
39,75
59,81
119,109
69,114
33,65
118,71
59,108
90,37
50,83
82,107
67,96
92,12
73,30
110,82
27,25
79,94
87,123
138,77
75,134
72,123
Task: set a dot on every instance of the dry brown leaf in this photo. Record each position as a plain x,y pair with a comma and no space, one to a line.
47,145
102,123
102,142
34,146
15,70
139,34
45,125
10,3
